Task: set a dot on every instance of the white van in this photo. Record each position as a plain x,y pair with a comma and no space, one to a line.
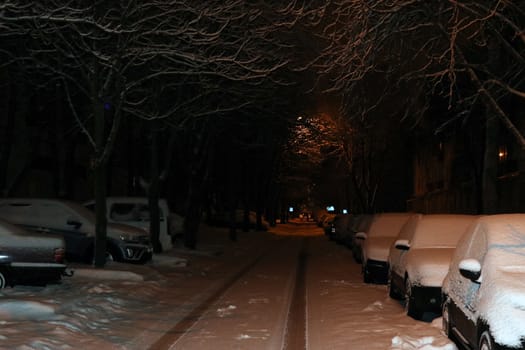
77,225
134,211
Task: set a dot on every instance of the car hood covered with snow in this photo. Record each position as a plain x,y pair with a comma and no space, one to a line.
377,248
118,231
428,266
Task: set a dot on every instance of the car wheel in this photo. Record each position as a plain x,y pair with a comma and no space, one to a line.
367,278
410,305
446,319
486,342
392,292
110,255
3,280
356,255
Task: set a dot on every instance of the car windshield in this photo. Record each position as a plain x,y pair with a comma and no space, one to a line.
442,232
81,211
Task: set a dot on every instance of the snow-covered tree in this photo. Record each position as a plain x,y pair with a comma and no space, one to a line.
157,60
469,54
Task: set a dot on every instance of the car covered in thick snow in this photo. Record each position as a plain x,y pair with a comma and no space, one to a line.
29,258
420,257
484,290
76,224
382,232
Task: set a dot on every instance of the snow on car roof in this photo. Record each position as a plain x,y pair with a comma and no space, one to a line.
504,228
387,224
440,230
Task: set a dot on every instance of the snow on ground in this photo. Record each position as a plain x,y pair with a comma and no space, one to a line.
131,306
346,313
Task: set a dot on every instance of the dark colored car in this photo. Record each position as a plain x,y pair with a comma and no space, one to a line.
341,230
28,258
484,290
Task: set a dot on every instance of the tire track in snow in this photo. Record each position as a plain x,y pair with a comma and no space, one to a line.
177,331
296,324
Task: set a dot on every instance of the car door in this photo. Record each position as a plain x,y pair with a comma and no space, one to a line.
58,219
466,292
398,255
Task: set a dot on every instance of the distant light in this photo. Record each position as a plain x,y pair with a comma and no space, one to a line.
330,208
345,211
503,153
290,209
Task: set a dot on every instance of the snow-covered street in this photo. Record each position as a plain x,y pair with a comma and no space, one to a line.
224,295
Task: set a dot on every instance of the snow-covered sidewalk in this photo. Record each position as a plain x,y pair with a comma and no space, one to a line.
345,313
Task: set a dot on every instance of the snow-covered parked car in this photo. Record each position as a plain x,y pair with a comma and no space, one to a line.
361,223
135,211
420,257
28,258
382,232
76,224
484,290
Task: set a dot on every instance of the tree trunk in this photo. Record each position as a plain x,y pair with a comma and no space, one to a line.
233,223
7,136
273,206
61,187
100,213
245,217
99,169
191,220
193,208
490,166
153,194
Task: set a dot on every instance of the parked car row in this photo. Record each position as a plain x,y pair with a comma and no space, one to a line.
76,224
470,269
39,235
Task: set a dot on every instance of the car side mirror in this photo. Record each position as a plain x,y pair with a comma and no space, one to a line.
470,269
402,244
74,222
360,235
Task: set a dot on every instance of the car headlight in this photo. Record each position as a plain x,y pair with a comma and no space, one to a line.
127,237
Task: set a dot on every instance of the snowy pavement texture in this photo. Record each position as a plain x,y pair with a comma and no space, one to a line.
243,291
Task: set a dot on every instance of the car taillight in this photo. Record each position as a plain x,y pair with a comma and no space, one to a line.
59,255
